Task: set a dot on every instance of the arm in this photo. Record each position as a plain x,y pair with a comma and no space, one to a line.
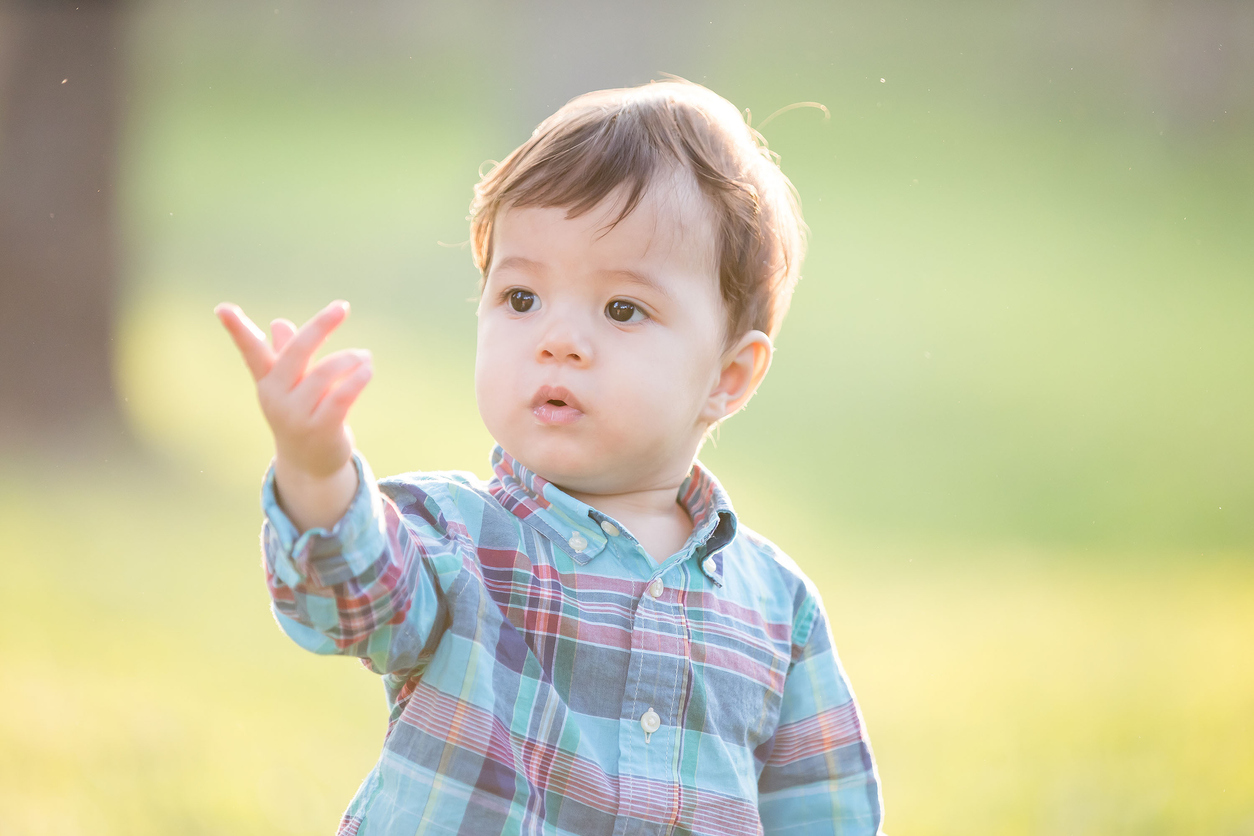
819,776
341,563
365,586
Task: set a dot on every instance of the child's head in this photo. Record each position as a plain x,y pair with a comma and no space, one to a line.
636,253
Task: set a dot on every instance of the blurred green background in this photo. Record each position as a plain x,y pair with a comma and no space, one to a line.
1009,430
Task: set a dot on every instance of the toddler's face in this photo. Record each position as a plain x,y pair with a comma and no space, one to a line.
598,347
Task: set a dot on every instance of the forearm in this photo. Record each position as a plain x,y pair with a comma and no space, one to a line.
314,501
359,586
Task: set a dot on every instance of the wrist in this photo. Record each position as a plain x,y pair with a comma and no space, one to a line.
314,501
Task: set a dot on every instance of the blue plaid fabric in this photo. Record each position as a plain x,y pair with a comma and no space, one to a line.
546,676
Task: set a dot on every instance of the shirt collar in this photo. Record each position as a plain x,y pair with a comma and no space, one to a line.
575,527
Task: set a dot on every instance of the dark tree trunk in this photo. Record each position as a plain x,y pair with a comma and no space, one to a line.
59,117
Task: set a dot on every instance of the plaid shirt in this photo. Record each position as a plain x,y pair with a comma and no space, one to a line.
546,676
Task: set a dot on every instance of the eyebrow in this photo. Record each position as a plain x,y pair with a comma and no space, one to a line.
517,262
637,277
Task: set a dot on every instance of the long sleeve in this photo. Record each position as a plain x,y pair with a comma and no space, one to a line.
819,776
361,588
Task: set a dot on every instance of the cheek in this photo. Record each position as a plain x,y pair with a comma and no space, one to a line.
673,379
491,375
491,345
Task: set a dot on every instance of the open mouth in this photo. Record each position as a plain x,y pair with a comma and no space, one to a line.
558,396
554,405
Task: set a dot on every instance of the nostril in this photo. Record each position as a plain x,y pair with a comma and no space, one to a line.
549,352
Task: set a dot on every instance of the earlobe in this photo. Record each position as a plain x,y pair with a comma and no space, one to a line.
743,367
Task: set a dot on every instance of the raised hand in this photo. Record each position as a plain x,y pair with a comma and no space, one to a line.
306,407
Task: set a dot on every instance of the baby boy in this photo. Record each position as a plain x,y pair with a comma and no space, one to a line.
589,642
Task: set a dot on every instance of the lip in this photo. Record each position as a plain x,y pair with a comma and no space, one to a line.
545,412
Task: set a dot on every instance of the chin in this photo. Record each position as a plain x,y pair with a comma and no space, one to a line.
569,466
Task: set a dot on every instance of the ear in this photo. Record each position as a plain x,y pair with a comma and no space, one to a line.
743,367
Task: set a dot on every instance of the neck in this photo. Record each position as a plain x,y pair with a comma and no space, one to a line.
653,516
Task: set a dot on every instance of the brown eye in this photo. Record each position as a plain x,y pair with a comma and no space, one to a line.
522,300
621,311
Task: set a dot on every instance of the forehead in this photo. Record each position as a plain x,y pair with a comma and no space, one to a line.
671,230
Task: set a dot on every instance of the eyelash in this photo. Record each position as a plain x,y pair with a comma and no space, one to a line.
507,298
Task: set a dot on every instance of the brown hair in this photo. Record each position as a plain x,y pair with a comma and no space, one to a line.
626,137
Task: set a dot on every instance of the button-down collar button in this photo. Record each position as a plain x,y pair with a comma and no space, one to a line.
656,587
609,528
650,722
709,565
578,542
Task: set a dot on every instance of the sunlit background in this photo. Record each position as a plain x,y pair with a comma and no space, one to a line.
1009,430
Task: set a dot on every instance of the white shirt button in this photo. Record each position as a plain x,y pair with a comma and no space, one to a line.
709,565
578,542
609,528
650,722
656,588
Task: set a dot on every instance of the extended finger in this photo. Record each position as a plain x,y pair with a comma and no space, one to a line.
249,339
281,332
314,385
292,360
334,407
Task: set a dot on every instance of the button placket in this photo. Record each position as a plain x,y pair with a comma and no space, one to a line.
655,677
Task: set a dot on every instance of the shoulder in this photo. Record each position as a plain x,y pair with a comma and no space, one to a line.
431,482
444,496
753,563
445,488
433,493
756,559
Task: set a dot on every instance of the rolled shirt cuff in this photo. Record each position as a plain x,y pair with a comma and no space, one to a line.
321,556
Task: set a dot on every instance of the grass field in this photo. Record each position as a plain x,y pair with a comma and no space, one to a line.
147,691
1009,430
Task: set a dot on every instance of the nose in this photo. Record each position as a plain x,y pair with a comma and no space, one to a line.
563,341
